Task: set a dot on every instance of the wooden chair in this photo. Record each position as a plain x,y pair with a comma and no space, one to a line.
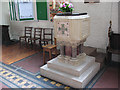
27,34
114,44
37,36
47,35
51,49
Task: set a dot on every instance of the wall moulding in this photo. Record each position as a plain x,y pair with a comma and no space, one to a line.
91,1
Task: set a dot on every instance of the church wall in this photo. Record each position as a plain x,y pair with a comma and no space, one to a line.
17,27
4,20
0,14
100,16
4,13
119,17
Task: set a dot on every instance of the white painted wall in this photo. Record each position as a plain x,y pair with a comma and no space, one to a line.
119,17
0,34
100,17
0,11
4,19
17,27
4,14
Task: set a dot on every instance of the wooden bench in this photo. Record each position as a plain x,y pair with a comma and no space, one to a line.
114,44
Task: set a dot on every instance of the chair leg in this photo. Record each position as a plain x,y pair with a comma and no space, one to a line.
32,42
44,42
50,54
43,56
20,41
47,42
34,45
109,57
40,44
25,40
28,42
56,51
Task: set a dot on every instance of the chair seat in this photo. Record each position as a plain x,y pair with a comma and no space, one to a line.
46,40
113,51
24,36
49,46
34,38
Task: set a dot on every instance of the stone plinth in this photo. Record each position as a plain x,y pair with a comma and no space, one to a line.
74,76
69,69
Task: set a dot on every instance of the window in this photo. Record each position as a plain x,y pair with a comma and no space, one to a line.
41,10
25,10
12,9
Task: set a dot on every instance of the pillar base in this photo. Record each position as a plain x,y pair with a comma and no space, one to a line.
72,61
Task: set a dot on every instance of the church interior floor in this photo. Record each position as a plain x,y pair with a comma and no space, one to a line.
110,78
13,53
33,62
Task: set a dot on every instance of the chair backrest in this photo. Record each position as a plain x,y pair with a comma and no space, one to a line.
28,31
55,41
37,33
114,41
48,34
113,38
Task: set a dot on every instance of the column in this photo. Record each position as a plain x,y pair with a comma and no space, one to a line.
74,51
68,51
62,51
78,49
81,48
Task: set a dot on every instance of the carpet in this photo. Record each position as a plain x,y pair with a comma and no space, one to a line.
32,63
15,77
110,78
13,53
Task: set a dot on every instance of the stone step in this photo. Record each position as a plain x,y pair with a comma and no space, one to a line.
67,79
72,70
100,58
90,51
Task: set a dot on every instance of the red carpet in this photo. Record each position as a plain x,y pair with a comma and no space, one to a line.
109,79
3,86
32,63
